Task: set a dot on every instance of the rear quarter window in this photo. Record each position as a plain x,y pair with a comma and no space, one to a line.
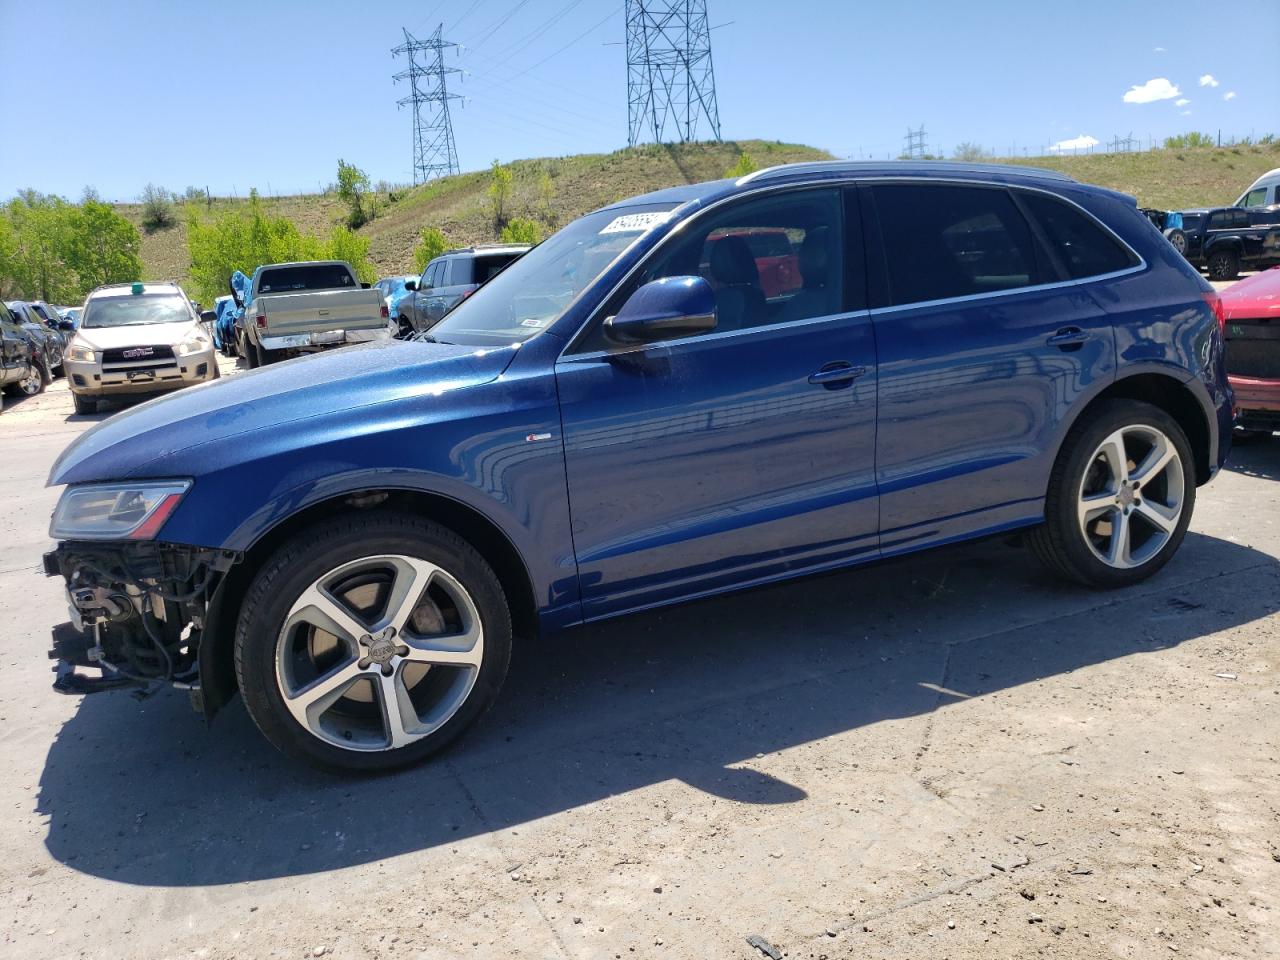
485,269
1082,246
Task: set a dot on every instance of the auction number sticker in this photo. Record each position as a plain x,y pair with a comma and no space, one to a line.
635,222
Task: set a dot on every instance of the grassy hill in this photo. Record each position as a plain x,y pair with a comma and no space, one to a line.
556,190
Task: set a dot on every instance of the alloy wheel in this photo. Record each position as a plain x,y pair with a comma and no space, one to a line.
32,383
379,652
1131,497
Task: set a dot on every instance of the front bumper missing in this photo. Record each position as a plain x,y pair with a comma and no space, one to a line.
138,614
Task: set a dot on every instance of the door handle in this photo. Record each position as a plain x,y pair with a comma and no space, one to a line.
1069,337
838,372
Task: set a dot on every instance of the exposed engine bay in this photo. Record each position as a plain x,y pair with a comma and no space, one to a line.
138,612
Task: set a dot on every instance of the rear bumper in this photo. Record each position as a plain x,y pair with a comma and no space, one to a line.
1253,393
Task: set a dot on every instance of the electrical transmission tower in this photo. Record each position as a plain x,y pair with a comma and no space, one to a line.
916,146
670,81
434,152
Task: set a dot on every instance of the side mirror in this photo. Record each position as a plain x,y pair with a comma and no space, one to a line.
664,310
66,326
411,285
208,316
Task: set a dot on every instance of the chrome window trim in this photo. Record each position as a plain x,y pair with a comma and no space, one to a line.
850,181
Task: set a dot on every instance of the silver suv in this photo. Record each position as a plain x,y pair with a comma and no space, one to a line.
452,277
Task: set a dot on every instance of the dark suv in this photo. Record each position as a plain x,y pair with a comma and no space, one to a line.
450,278
632,415
23,371
1224,240
46,334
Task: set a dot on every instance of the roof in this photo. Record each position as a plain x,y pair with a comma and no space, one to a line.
847,169
126,289
490,248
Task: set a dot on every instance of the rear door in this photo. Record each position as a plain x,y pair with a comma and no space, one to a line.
735,456
986,340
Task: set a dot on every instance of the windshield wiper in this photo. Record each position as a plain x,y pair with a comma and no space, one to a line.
425,337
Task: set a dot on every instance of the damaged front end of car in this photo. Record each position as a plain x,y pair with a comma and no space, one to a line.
139,607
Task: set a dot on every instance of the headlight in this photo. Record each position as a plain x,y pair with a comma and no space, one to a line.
77,352
196,343
116,511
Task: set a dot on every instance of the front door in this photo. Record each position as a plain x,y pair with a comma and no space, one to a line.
740,455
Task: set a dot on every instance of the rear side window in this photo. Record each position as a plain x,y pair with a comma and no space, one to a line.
943,241
1254,198
1083,247
486,268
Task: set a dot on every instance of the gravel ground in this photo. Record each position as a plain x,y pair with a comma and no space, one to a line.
951,755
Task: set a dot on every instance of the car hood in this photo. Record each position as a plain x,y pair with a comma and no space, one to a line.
136,335
310,388
1253,297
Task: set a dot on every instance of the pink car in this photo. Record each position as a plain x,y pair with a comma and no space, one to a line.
1252,331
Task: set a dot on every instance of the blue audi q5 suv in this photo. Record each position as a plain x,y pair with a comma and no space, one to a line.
693,391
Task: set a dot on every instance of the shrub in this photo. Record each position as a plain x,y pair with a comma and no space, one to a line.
744,166
499,193
521,230
157,209
431,244
353,184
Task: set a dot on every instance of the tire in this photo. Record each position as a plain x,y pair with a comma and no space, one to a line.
1178,239
1223,265
33,383
84,405
1168,494
251,354
350,732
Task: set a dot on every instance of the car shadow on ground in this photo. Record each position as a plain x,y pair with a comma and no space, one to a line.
1257,458
141,793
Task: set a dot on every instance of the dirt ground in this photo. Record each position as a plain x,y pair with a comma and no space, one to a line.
952,755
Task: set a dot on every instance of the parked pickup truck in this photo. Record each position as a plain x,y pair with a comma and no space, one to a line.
1225,240
291,308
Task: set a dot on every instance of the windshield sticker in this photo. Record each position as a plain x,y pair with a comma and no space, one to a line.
533,322
635,222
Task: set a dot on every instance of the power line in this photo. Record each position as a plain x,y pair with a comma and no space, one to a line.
484,35
519,45
916,145
670,78
434,152
585,33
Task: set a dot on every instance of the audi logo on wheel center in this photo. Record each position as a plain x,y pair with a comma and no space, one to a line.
138,352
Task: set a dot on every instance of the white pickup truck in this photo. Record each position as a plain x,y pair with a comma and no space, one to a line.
290,308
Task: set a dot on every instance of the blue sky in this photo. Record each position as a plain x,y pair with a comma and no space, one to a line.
239,94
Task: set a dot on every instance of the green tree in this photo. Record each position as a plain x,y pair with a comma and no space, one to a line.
521,230
499,195
744,166
244,239
430,245
104,246
972,152
353,184
158,212
39,262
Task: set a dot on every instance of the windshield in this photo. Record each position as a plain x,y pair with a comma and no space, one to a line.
319,276
127,311
531,293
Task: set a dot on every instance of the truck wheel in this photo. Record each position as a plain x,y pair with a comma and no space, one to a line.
84,405
1178,239
1224,265
1120,496
251,354
371,641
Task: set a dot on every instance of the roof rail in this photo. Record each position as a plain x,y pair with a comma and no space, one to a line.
906,166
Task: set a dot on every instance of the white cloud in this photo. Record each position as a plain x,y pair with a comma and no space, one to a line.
1186,113
1152,90
1181,102
1208,81
1082,142
1158,50
1229,95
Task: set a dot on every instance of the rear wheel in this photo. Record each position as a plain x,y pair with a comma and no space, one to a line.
1177,238
1224,265
33,383
251,354
1120,496
371,642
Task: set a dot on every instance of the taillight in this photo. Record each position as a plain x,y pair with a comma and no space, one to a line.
1215,304
386,314
261,321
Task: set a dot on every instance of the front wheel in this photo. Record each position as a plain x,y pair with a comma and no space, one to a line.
1120,496
84,405
369,643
